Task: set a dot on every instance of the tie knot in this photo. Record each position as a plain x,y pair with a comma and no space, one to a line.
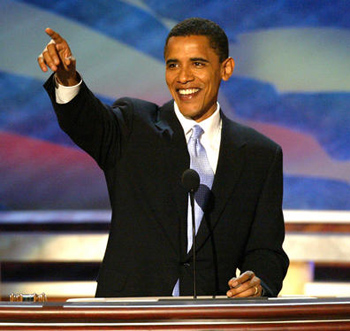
197,131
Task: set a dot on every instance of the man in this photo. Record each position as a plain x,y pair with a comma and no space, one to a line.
143,152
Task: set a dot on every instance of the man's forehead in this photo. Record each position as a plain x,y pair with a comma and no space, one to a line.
191,37
185,46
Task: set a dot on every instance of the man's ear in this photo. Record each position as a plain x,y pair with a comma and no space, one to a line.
227,68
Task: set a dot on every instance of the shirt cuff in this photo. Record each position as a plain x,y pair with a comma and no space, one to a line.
65,94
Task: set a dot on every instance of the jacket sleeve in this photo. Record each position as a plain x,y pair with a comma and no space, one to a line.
95,127
264,253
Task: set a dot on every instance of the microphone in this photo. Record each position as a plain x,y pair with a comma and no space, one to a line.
190,181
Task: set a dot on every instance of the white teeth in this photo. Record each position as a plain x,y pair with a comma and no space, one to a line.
188,91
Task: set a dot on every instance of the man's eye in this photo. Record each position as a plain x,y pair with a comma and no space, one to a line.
198,64
172,65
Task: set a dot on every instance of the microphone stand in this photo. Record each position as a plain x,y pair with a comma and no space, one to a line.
190,180
193,243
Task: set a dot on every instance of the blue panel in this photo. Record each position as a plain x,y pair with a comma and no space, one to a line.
318,194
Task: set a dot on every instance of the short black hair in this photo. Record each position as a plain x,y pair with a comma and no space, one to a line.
196,26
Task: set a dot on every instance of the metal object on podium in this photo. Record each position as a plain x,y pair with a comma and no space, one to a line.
28,297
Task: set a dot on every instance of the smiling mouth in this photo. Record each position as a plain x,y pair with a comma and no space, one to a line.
188,93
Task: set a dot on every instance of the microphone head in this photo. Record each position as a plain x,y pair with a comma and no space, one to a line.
190,180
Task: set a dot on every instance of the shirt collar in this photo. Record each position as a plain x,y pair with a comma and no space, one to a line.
211,125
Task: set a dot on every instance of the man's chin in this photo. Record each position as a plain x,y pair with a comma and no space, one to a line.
189,113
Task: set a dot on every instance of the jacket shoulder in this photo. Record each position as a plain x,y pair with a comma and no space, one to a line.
135,104
251,136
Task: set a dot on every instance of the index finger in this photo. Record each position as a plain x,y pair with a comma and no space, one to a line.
54,35
241,279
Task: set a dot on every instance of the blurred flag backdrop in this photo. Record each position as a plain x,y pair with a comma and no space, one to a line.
291,83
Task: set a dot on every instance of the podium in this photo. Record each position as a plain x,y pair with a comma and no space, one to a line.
179,314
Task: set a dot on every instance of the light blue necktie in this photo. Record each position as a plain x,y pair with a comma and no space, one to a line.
200,163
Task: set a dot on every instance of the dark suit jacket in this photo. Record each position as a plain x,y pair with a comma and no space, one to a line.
142,151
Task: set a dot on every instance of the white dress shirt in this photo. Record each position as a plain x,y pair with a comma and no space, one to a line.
64,94
211,137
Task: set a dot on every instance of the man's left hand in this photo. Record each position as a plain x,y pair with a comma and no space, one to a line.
244,286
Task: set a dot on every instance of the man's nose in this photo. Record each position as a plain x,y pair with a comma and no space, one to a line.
185,75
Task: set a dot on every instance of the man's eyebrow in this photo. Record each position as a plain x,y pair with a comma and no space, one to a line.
200,59
193,59
171,61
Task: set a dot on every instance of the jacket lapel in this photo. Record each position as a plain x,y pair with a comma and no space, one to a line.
177,160
230,164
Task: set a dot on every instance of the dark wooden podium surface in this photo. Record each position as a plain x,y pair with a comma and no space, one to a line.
179,314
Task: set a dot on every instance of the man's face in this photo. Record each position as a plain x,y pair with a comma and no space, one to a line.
193,75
